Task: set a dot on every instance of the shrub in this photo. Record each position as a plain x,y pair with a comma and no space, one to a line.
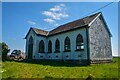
4,50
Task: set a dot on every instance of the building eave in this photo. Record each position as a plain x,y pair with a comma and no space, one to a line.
100,14
94,19
83,26
106,25
29,32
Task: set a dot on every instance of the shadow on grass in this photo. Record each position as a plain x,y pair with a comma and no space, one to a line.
56,63
51,78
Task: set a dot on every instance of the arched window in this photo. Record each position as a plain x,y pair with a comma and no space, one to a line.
67,44
50,47
31,40
79,42
41,47
57,45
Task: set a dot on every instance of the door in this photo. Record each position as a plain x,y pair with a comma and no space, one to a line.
30,48
30,51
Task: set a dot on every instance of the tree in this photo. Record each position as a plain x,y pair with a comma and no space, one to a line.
4,50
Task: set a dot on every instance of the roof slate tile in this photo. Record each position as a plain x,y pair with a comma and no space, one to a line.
69,26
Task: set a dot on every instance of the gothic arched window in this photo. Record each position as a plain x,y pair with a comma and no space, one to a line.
57,45
41,47
67,44
79,42
50,47
31,40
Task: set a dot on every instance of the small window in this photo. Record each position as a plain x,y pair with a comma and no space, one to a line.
79,43
50,47
67,44
41,47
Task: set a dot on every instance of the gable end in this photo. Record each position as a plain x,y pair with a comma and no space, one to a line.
29,32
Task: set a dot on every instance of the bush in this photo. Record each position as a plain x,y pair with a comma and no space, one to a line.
4,50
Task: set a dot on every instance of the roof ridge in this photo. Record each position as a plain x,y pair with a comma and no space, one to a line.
82,22
39,29
78,19
68,26
68,22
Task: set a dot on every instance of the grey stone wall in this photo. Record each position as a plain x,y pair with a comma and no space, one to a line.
100,41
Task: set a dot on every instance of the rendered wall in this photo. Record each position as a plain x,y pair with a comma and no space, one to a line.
31,34
73,55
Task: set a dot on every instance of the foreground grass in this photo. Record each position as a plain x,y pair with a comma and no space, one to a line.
54,69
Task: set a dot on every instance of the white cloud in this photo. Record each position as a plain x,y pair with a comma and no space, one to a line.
57,12
62,5
56,24
32,22
56,8
51,15
54,15
49,20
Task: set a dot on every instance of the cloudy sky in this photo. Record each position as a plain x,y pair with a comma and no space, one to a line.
19,17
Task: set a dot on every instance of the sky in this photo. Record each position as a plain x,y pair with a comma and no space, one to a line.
18,17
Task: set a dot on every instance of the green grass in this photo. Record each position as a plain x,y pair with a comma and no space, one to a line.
57,69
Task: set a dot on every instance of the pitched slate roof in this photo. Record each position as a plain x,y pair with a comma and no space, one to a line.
37,32
66,27
75,24
40,32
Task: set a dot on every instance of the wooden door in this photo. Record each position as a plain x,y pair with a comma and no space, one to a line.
30,48
30,51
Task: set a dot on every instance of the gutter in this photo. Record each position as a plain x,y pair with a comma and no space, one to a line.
88,46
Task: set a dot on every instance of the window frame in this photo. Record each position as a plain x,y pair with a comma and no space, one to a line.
50,46
57,46
41,47
67,44
79,43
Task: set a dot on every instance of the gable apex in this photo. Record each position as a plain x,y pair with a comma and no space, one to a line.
37,32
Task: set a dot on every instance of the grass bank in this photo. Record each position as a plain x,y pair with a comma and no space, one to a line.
56,69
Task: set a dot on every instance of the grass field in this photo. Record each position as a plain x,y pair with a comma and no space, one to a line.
55,69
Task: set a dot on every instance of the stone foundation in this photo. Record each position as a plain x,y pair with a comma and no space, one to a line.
100,61
78,62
